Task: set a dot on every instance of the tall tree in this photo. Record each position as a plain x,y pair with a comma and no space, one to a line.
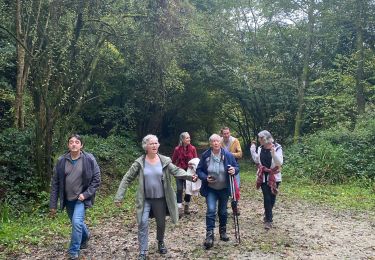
360,19
22,64
305,80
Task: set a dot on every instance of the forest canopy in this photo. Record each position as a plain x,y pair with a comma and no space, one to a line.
128,68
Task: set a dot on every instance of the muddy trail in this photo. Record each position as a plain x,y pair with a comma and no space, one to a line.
301,231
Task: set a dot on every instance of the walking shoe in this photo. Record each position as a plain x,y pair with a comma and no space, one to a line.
161,247
180,212
142,257
73,257
85,243
223,233
186,209
267,225
209,242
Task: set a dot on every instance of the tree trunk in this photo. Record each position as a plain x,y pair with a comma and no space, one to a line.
298,120
360,58
45,123
19,119
305,73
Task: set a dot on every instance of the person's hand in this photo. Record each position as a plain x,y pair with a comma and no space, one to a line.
195,178
52,213
118,204
210,179
81,197
273,149
253,146
231,170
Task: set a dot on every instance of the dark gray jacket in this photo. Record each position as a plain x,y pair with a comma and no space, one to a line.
91,181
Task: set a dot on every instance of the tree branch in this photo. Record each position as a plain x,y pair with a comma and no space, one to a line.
17,40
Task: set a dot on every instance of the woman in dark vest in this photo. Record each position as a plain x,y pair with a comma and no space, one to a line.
268,158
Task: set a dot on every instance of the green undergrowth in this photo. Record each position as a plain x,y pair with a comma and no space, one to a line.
18,235
354,194
25,222
350,195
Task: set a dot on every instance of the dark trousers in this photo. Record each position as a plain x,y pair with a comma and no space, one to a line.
180,184
159,210
269,200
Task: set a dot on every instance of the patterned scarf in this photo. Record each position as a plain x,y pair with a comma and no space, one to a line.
216,163
271,177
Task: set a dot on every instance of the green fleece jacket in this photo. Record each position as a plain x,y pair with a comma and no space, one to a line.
169,170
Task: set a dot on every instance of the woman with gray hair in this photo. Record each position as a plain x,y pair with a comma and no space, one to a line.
268,158
155,195
214,168
182,154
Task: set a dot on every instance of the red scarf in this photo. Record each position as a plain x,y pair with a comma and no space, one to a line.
271,177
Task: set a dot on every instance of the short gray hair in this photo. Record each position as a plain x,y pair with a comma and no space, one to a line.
146,139
266,135
215,136
182,136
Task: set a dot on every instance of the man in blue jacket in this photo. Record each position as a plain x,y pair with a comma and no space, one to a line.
75,180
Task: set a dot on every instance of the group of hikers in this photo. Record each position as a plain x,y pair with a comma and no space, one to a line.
77,177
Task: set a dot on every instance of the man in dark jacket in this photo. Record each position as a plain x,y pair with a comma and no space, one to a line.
75,180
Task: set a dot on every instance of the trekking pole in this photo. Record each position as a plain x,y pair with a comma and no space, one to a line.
234,209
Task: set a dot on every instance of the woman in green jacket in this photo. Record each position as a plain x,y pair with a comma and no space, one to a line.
155,195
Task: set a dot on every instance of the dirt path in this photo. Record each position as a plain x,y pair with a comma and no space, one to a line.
301,231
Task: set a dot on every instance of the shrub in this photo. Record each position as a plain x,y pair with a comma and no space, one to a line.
117,152
335,155
20,187
19,184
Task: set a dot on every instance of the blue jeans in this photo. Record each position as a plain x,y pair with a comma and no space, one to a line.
213,197
76,212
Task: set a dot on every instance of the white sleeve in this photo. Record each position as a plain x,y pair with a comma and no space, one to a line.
278,157
254,154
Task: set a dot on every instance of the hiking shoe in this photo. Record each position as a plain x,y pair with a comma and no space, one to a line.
73,257
209,242
142,257
186,209
85,243
180,212
223,234
161,247
267,225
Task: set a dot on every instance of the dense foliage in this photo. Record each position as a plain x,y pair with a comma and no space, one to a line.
335,155
18,183
21,188
129,68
